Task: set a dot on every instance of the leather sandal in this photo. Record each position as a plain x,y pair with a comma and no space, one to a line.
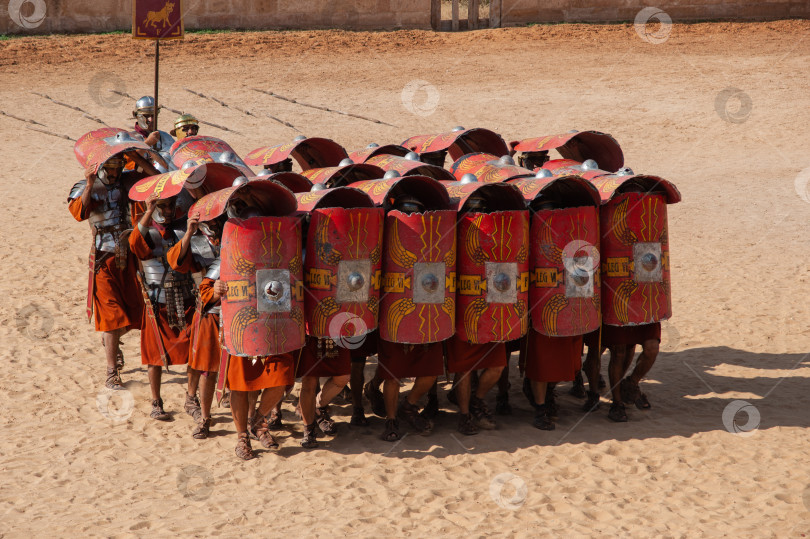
310,439
324,421
258,431
391,432
158,412
203,430
114,380
243,449
410,413
192,407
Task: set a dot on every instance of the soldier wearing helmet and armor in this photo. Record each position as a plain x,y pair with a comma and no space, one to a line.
165,329
144,115
185,125
113,298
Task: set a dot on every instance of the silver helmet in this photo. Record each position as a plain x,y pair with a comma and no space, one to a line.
239,180
457,128
412,156
543,173
506,160
264,172
299,138
589,164
373,145
468,178
345,162
145,106
390,174
625,171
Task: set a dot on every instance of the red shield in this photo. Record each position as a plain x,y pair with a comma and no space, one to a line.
565,271
635,259
427,190
343,271
262,313
95,147
578,146
361,156
406,167
418,302
341,176
568,167
493,276
459,143
308,153
203,149
485,167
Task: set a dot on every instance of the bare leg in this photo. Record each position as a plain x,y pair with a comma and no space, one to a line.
462,387
112,343
649,353
391,396
270,397
306,399
356,382
193,381
591,368
487,380
239,411
616,370
253,396
331,389
420,388
539,392
209,388
155,374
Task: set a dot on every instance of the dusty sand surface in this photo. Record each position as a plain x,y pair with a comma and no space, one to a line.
740,282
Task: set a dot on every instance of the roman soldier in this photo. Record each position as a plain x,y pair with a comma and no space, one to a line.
492,292
259,284
417,308
339,322
169,294
186,125
564,286
635,277
113,300
160,141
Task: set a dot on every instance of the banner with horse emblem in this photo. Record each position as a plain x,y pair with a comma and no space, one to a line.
157,19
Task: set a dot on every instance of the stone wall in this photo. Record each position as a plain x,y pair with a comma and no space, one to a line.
527,11
79,16
69,16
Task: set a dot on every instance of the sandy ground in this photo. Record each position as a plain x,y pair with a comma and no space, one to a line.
739,331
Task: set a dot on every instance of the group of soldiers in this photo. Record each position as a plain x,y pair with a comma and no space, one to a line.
255,280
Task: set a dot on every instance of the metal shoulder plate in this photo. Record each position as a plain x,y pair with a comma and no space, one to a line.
77,189
165,143
213,270
202,251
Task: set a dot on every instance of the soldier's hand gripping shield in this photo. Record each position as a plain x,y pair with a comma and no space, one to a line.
263,309
419,263
343,265
493,262
635,248
564,282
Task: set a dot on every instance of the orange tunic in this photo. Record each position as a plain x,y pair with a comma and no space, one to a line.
277,371
176,342
205,352
397,360
553,359
117,300
463,356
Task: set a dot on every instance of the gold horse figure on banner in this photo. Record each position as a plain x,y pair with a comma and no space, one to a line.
162,16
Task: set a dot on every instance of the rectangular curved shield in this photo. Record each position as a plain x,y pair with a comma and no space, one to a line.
263,310
419,271
635,260
493,276
565,292
343,272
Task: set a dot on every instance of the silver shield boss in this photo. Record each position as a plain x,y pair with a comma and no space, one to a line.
428,282
579,277
354,278
501,282
273,291
647,262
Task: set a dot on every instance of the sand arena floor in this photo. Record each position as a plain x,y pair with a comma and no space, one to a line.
719,109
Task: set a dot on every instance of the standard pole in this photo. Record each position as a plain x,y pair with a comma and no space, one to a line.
157,78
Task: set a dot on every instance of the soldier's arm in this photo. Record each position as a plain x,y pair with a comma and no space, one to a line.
184,246
138,240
